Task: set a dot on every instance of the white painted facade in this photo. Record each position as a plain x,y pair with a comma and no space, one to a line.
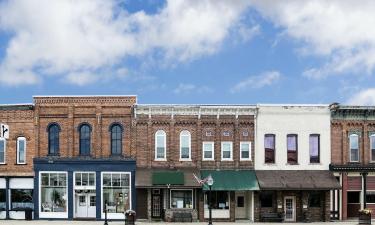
302,120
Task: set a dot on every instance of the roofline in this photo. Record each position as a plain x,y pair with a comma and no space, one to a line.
197,105
288,104
18,104
79,96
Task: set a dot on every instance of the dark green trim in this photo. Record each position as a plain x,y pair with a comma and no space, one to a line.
231,180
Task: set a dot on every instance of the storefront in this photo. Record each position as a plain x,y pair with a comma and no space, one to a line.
3,187
232,195
80,188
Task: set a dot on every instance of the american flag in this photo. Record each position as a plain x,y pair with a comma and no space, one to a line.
200,181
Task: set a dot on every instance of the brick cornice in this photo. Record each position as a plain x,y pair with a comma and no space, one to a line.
86,100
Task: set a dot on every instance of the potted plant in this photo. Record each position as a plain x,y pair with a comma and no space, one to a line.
365,216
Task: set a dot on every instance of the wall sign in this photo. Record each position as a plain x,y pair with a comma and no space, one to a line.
4,131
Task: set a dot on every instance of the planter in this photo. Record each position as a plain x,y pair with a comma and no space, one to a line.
364,218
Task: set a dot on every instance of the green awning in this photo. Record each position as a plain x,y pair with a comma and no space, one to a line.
231,180
168,177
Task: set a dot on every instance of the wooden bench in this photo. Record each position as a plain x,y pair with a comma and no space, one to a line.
272,217
182,217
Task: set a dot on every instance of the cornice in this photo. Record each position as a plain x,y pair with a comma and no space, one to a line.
86,100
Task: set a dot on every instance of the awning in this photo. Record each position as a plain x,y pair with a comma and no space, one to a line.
145,177
296,180
168,178
231,180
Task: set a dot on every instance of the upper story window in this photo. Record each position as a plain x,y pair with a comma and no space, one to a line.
53,139
116,139
208,150
292,148
269,148
185,145
226,150
2,151
21,150
354,147
372,147
84,139
314,146
245,151
160,145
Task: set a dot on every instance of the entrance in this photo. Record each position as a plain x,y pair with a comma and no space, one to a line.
240,205
156,206
290,208
85,205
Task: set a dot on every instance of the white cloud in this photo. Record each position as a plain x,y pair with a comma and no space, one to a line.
339,31
365,97
257,81
89,36
184,88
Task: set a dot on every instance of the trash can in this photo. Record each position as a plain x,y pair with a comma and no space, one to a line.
129,217
28,214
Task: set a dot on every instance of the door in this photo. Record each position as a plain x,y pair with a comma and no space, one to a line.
85,205
240,205
290,208
156,206
141,203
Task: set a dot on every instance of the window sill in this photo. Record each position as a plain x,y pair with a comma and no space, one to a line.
245,160
226,159
312,164
208,160
3,164
20,164
160,160
292,164
53,155
185,160
269,164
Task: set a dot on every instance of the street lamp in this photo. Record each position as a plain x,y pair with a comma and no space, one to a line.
210,182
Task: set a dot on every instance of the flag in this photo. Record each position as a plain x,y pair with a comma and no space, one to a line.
200,181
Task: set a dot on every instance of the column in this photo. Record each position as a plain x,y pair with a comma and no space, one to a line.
344,196
7,200
98,196
70,195
364,188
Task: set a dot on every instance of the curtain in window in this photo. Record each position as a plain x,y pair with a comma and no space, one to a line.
314,148
292,143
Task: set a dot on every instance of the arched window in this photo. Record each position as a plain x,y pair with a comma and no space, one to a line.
53,139
84,139
160,145
185,145
116,139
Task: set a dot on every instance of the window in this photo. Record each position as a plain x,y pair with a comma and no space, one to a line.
54,195
160,145
2,151
240,201
292,148
269,148
372,147
370,197
53,139
219,199
85,179
116,191
245,149
314,145
208,150
182,199
266,199
353,197
2,199
185,145
21,150
314,199
84,139
354,148
226,150
116,139
226,133
21,198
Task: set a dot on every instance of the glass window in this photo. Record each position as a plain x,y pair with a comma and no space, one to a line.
2,150
182,199
354,148
85,179
370,197
2,199
240,201
116,192
226,150
372,147
353,196
314,199
116,139
185,145
208,150
245,149
219,199
21,199
269,148
54,195
84,139
160,144
21,150
292,148
266,199
53,139
314,145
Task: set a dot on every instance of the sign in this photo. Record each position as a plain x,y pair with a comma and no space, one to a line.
4,131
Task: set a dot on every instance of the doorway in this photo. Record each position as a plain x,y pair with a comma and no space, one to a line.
85,205
156,204
290,208
240,209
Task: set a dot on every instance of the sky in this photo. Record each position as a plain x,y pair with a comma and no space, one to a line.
189,52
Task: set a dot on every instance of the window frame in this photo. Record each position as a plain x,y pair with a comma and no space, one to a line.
18,150
112,138
188,134
170,198
50,126
212,150
274,148
249,144
11,196
372,146
80,139
5,152
231,150
291,152
162,134
350,148
318,136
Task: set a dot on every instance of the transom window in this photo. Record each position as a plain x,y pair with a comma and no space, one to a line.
354,148
292,148
84,139
226,150
2,151
269,148
21,150
53,139
116,139
160,145
245,150
181,199
372,147
314,145
85,179
208,150
185,145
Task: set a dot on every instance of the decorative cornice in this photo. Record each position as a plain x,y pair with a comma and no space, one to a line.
352,113
86,100
357,132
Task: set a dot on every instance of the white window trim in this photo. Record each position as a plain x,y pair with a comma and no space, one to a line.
350,149
189,136
231,150
5,151
18,153
170,197
213,151
165,145
248,143
80,187
372,135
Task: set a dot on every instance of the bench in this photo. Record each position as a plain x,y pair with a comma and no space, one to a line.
272,217
182,217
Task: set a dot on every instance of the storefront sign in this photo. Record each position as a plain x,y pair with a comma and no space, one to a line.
4,131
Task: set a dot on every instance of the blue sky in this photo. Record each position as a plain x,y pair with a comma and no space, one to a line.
227,52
